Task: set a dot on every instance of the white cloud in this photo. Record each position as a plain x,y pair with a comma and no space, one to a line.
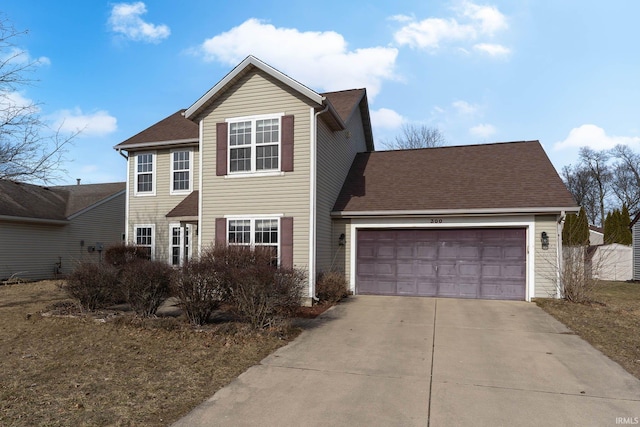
385,118
483,130
471,23
492,49
594,137
464,108
125,19
487,19
317,59
96,124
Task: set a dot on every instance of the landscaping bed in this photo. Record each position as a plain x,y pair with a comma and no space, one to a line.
610,321
63,368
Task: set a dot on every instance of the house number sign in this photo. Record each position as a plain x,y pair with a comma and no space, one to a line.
436,220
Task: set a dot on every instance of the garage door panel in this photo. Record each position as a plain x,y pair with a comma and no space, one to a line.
463,263
407,287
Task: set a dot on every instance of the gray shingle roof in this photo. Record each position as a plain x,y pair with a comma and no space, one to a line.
170,129
500,176
52,203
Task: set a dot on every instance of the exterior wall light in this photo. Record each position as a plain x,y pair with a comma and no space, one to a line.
544,238
342,240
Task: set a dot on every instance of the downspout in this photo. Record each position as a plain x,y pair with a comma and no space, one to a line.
126,199
313,204
123,155
559,255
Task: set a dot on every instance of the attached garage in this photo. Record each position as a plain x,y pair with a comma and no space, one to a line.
487,263
475,221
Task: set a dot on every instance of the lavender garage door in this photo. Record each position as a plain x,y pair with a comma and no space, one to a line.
461,263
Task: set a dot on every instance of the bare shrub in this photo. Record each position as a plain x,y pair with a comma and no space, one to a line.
145,285
577,280
93,285
264,295
120,255
200,290
331,287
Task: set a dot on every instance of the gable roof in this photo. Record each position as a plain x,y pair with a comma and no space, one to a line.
248,64
501,177
346,102
174,129
58,204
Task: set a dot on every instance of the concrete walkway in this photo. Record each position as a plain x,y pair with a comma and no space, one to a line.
399,361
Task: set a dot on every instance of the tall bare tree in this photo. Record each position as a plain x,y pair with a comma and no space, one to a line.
597,163
581,185
626,177
414,136
29,149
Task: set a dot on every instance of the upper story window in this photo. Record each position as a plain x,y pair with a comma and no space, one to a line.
254,144
181,171
145,174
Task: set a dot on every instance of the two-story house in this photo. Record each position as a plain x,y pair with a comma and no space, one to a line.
262,160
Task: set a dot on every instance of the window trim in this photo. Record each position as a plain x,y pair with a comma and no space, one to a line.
253,119
172,170
153,236
154,166
252,220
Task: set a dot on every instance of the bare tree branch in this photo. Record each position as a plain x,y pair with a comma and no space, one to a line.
29,150
414,136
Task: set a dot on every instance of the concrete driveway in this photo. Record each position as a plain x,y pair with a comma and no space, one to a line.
400,361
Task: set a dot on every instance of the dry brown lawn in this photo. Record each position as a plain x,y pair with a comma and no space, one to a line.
80,371
611,322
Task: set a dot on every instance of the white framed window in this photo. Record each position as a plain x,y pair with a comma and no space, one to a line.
145,174
255,232
145,238
179,244
254,144
181,171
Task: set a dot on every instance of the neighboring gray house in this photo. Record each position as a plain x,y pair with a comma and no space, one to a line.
44,231
262,160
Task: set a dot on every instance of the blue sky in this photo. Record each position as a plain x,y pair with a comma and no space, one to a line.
564,72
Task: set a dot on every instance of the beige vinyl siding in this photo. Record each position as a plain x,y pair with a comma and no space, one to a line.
153,209
30,250
286,194
546,260
342,254
336,151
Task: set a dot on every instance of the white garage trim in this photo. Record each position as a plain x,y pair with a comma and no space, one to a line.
527,222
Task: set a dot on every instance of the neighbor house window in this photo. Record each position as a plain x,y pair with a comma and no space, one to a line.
180,244
145,174
181,163
144,235
254,144
255,232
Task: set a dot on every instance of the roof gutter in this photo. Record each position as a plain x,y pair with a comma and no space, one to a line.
123,155
465,212
34,220
157,144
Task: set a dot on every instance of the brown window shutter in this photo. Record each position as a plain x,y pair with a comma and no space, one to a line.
221,149
287,143
286,242
221,231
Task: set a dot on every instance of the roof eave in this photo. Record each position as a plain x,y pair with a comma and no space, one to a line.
174,142
456,212
240,68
